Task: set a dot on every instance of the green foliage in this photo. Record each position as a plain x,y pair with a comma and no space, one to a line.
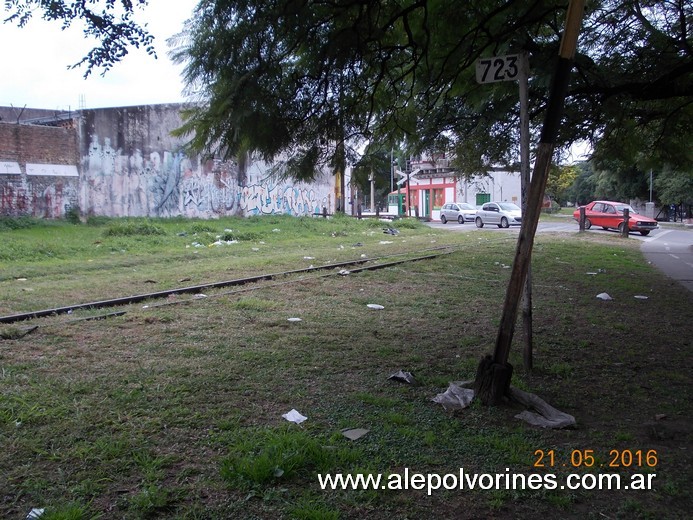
266,456
407,223
203,227
404,72
73,215
12,223
67,512
313,508
151,501
133,228
111,24
674,187
561,178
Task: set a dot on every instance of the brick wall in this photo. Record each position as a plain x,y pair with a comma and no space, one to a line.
37,195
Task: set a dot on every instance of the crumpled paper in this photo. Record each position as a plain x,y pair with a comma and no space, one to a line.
456,397
294,416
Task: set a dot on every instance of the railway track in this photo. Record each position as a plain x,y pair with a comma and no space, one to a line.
352,266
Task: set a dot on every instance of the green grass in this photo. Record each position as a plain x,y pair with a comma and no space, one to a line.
175,410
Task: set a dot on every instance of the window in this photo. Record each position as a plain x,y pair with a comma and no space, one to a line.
438,198
482,198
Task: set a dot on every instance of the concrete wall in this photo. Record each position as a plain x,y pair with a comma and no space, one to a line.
128,164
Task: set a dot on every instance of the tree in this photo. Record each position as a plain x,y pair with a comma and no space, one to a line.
674,187
111,22
582,190
561,178
309,80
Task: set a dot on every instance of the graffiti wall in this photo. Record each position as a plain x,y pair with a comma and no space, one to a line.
131,166
38,172
124,162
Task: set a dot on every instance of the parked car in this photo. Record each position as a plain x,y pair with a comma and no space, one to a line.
609,215
459,211
503,214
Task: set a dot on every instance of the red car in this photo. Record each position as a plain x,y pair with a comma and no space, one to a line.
609,215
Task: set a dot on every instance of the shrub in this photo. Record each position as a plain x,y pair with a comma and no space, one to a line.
125,229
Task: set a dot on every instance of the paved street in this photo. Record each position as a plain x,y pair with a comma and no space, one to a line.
671,251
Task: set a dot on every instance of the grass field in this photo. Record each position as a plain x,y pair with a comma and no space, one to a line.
174,408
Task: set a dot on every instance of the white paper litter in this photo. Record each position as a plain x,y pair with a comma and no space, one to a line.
344,272
294,416
641,297
294,319
456,397
35,513
604,296
375,306
383,242
354,433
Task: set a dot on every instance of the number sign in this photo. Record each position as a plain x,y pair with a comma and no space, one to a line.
498,68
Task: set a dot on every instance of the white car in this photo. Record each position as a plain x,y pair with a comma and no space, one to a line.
503,214
460,211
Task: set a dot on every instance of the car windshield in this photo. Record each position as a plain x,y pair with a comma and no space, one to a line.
509,206
621,207
464,205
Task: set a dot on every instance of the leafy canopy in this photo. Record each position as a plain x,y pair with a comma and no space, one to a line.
302,78
295,77
111,22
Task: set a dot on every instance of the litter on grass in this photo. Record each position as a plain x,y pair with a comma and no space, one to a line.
294,319
375,306
456,397
538,413
604,296
354,433
641,297
35,513
294,416
403,377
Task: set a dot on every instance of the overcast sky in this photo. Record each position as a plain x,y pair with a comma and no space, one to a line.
35,58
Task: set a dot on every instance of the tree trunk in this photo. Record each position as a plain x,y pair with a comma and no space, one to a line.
493,375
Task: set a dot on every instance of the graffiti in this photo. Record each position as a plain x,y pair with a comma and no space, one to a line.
37,199
169,183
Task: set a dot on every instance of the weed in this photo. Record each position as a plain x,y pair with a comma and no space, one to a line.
71,511
202,227
310,507
271,455
73,215
563,370
128,229
151,501
14,223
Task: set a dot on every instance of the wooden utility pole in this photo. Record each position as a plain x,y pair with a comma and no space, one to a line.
523,80
494,372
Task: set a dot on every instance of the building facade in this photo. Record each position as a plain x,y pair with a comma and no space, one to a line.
124,162
429,183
